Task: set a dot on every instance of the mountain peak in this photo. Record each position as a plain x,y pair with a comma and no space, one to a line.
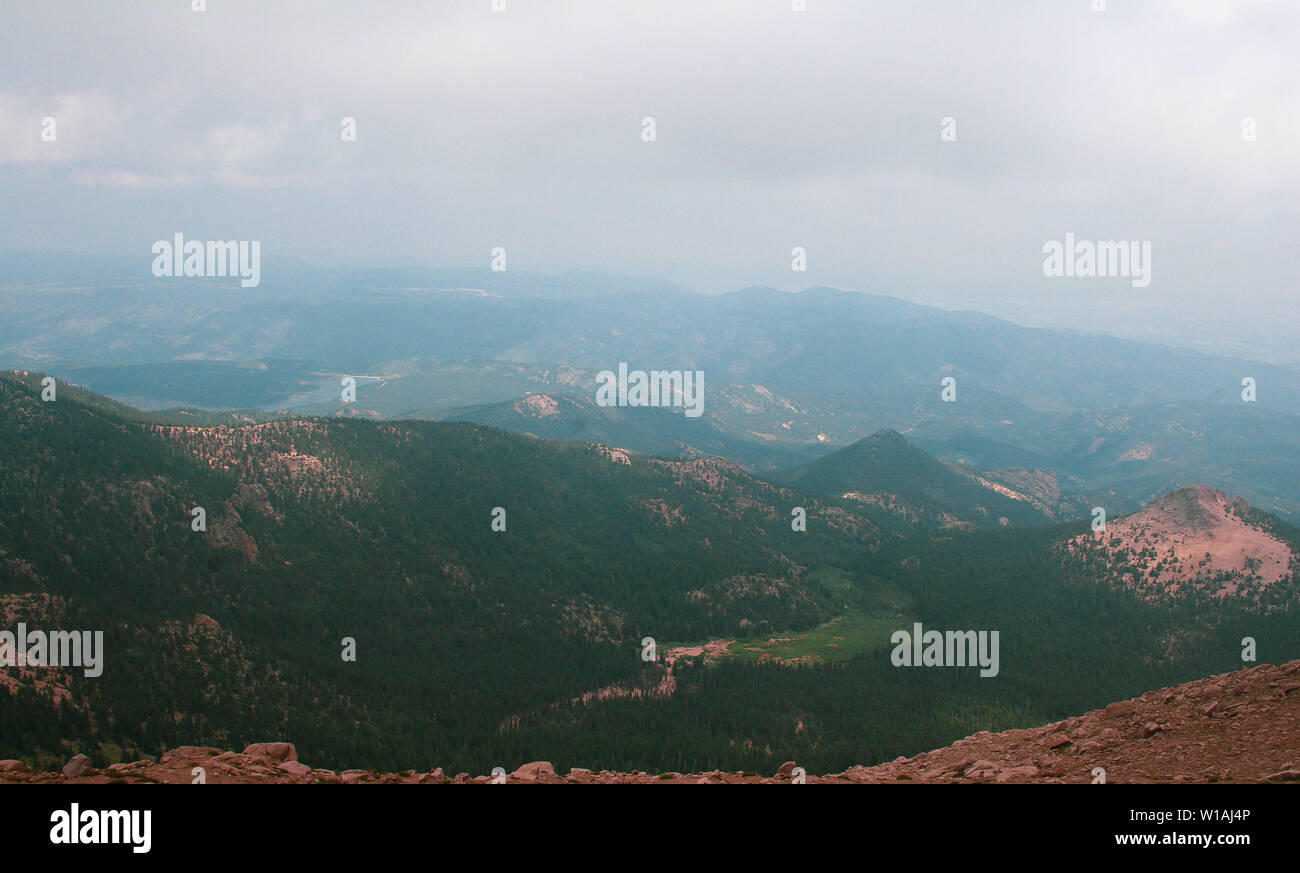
1196,507
886,436
1193,539
889,473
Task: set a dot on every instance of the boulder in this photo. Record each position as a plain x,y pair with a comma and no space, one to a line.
1017,773
534,771
981,769
1056,740
1283,776
11,767
959,766
277,752
79,766
295,768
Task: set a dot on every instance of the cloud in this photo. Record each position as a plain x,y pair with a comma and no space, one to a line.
775,129
84,123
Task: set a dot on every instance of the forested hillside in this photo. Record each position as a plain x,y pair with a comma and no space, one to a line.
319,530
478,647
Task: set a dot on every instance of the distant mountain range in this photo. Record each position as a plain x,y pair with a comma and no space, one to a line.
823,341
789,377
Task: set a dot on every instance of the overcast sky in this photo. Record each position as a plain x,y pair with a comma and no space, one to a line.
775,129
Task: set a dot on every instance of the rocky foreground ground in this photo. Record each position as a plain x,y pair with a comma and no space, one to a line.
1236,727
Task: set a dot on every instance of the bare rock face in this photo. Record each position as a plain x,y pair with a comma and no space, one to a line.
252,496
79,766
277,752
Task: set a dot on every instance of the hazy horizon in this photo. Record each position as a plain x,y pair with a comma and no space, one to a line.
903,156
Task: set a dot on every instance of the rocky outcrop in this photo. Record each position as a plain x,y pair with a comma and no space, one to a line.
1195,539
